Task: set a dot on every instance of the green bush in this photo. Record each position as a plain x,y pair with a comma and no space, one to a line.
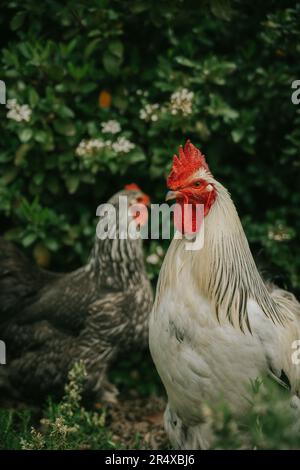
270,422
165,71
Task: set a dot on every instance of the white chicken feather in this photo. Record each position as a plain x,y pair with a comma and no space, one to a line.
215,325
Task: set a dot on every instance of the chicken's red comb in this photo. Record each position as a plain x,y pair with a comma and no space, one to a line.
190,160
132,187
145,199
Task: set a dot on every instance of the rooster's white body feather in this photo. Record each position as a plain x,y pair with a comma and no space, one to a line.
215,326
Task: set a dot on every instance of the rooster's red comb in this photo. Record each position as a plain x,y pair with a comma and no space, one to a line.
190,160
132,187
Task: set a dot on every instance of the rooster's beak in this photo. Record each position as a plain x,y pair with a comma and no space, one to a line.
171,195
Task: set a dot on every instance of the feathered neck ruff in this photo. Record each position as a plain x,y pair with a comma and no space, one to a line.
224,270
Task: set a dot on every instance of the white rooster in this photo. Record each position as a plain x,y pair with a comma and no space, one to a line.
215,325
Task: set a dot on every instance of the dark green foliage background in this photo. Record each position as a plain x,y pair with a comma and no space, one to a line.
238,58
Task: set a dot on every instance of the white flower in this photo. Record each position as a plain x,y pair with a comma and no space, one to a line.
122,145
91,146
11,104
152,259
150,112
111,127
279,233
159,250
35,442
18,112
182,101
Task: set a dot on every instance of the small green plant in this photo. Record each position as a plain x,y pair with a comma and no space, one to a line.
66,425
269,423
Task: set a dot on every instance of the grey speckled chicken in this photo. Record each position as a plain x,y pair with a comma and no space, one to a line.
49,321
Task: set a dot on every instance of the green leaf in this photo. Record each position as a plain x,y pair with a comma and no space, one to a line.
91,47
65,112
64,127
25,135
186,62
5,156
53,185
136,156
237,135
33,97
17,21
51,244
21,153
221,9
116,48
10,175
38,178
29,239
41,136
72,183
111,63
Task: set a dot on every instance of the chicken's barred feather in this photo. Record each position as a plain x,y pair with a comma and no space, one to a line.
49,321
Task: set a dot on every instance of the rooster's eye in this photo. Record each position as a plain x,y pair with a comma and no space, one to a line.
197,184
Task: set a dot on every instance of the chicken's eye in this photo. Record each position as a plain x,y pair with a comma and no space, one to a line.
197,184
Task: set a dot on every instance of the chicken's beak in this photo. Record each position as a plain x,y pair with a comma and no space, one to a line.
171,195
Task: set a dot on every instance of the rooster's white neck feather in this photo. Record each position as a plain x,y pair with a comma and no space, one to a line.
224,269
